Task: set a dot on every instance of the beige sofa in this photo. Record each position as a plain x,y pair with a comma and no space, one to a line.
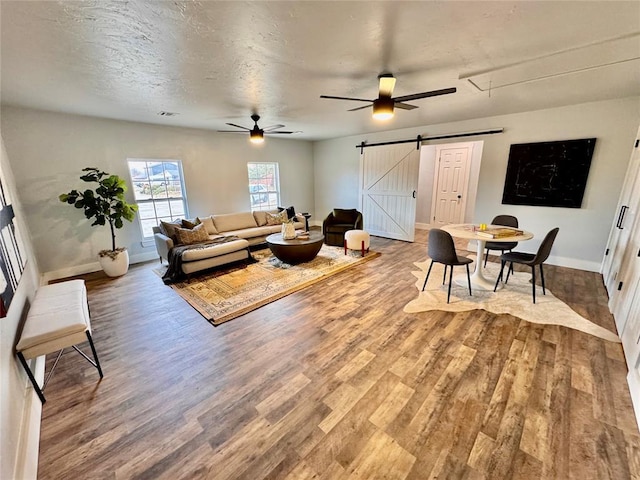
251,228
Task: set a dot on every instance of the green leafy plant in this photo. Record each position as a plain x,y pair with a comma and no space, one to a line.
105,204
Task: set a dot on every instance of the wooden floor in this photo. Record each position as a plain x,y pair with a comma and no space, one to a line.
335,382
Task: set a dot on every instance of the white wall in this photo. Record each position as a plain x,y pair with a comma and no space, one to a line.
20,408
336,172
48,151
583,232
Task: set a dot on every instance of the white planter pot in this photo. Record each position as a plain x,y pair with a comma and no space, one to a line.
288,231
117,266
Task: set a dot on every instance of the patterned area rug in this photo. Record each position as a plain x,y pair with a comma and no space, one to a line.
514,299
223,295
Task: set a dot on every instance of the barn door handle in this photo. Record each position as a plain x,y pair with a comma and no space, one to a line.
623,210
413,194
619,216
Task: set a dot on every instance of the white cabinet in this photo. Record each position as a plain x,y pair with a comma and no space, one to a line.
628,282
621,265
621,273
631,344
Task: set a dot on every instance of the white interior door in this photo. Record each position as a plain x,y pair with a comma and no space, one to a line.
389,180
631,343
630,331
450,184
628,278
624,270
622,229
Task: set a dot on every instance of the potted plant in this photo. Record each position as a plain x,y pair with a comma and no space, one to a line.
105,204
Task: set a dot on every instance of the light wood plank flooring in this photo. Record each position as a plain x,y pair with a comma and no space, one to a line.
336,382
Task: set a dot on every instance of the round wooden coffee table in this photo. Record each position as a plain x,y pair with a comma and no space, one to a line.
296,250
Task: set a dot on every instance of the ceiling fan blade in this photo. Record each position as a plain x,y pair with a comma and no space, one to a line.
386,85
346,98
279,132
358,108
238,126
272,127
231,131
404,106
433,93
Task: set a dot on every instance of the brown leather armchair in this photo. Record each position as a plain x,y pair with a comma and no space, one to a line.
338,222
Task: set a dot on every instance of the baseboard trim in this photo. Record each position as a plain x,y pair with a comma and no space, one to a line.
555,260
575,263
91,267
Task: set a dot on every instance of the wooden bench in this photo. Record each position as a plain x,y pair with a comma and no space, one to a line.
58,318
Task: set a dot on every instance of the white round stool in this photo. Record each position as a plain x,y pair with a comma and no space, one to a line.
356,240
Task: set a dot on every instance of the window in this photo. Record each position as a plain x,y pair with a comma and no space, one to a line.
159,192
264,186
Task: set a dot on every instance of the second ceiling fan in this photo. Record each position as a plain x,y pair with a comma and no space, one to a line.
383,105
256,134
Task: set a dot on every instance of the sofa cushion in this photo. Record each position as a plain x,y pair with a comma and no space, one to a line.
261,216
255,232
188,236
234,221
169,229
278,218
341,215
209,226
210,251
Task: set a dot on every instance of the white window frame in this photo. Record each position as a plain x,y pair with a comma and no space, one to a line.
269,197
142,203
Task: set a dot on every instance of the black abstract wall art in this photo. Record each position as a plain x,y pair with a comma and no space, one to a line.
548,174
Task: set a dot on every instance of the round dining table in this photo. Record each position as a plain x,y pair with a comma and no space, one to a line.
469,231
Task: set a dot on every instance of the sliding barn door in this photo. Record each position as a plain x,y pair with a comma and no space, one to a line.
389,179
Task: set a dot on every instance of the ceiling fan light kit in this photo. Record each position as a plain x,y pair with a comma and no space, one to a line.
383,108
383,105
256,134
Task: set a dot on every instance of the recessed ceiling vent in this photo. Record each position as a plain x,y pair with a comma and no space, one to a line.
167,114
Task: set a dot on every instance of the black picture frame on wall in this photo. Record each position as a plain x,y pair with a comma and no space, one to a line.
548,174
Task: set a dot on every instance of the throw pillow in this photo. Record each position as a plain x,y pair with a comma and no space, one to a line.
208,224
291,212
169,228
188,236
277,219
230,222
190,224
261,217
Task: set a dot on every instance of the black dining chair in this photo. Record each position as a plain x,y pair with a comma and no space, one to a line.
441,249
530,259
505,221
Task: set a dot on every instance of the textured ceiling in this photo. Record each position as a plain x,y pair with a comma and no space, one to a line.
216,62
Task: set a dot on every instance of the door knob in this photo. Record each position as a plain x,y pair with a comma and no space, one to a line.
459,196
